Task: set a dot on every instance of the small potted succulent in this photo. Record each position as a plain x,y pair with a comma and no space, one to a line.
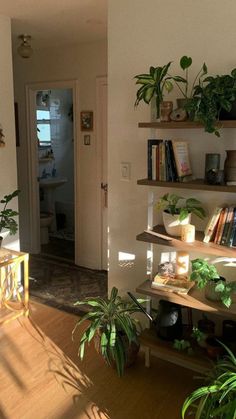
112,328
177,211
216,288
7,216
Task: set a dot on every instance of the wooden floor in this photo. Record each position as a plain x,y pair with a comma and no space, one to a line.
42,378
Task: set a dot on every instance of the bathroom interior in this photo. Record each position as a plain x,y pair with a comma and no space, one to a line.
54,123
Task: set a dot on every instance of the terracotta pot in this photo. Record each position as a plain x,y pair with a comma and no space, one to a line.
166,108
230,166
131,349
172,224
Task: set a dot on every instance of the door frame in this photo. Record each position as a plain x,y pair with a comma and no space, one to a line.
32,149
100,81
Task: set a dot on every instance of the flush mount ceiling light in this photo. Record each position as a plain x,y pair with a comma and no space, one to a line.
25,50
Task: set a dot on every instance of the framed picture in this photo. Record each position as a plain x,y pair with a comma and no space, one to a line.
86,120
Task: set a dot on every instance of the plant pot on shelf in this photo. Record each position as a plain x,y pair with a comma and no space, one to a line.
172,223
210,292
214,348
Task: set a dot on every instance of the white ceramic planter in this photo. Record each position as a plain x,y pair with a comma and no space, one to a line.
173,225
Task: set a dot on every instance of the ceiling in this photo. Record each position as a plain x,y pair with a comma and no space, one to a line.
56,22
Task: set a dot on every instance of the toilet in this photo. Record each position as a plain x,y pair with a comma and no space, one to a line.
45,222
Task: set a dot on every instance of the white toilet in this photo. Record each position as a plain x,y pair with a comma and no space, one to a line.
45,222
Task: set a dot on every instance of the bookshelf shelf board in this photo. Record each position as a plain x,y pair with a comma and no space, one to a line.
196,246
197,184
183,125
165,350
194,299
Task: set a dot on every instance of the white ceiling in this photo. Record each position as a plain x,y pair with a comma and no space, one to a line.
57,22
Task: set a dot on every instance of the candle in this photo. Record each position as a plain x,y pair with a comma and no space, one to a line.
182,264
188,233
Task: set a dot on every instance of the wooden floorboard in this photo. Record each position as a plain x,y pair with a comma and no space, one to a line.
41,376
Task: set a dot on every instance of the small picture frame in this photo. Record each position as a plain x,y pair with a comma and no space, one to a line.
86,120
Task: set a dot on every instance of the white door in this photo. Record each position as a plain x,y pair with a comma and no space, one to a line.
102,157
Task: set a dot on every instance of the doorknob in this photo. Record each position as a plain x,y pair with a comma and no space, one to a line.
104,187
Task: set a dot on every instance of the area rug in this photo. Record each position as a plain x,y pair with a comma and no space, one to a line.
60,284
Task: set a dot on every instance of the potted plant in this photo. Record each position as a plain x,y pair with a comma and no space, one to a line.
113,329
187,90
217,398
177,211
214,94
7,216
153,85
216,288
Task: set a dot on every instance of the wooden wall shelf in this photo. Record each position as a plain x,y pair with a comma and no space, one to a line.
197,246
184,125
197,184
164,350
194,299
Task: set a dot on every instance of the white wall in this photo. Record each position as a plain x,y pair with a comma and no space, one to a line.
154,32
83,62
8,171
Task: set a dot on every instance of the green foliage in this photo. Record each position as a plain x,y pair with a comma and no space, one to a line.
7,215
111,319
198,335
158,80
210,97
153,85
171,203
186,62
203,272
226,289
217,399
181,345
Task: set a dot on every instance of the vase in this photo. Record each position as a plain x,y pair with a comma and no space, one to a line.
212,163
173,225
230,166
166,108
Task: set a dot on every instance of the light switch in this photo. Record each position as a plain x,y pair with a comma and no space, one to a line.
125,169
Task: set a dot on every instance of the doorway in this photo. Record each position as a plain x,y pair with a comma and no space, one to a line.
53,168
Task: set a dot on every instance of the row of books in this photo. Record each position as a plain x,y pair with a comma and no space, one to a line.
167,160
221,227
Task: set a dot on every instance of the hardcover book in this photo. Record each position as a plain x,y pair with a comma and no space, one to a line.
182,158
150,143
212,224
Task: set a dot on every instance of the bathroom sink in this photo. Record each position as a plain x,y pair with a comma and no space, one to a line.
52,182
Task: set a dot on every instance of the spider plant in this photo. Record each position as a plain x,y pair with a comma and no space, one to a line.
111,325
217,399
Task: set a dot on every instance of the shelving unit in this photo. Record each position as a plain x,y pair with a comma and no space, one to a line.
197,184
197,246
184,125
195,299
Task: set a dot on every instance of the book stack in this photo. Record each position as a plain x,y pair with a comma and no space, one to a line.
167,160
221,227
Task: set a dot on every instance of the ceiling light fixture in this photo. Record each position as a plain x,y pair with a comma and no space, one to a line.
25,50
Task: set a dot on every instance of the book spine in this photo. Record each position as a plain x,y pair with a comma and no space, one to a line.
212,224
173,162
169,172
150,143
157,162
154,158
219,226
232,239
222,225
223,241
